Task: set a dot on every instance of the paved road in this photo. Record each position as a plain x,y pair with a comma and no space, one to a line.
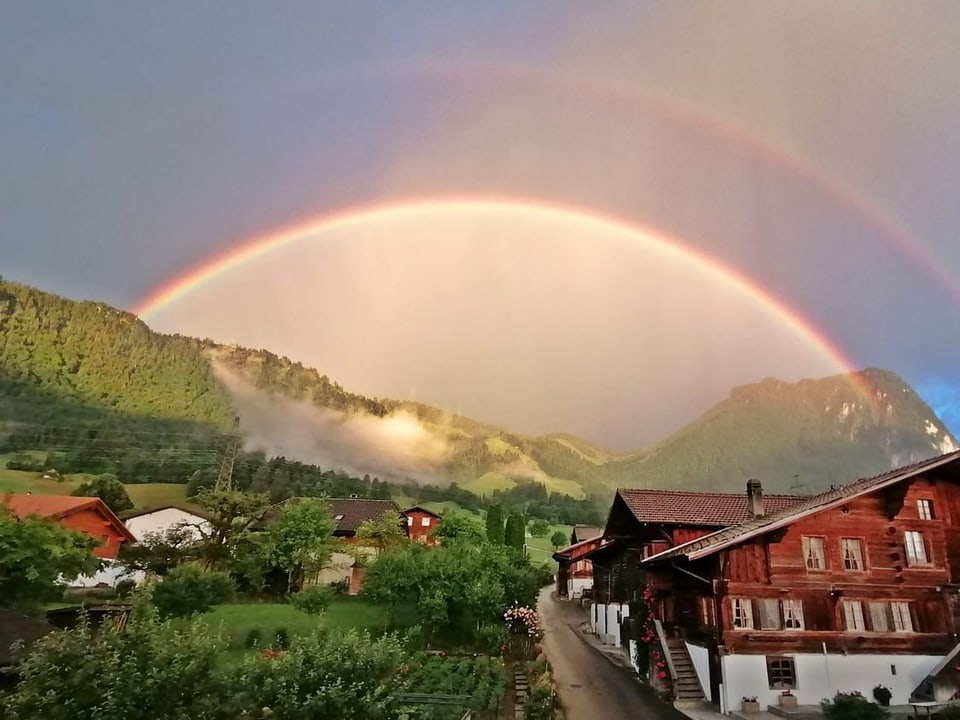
591,687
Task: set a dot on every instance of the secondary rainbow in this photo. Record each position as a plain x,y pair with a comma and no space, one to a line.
606,227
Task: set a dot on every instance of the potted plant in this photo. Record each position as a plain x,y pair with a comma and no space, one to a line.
749,704
882,694
787,698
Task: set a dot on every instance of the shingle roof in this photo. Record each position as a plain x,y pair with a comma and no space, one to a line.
420,508
356,510
726,537
698,508
46,505
586,532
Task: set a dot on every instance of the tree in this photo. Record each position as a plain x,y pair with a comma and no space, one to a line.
515,531
109,489
384,532
300,540
158,553
188,590
558,539
539,528
454,589
458,528
35,554
494,521
230,514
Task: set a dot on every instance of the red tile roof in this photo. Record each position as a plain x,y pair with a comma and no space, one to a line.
679,507
46,505
834,497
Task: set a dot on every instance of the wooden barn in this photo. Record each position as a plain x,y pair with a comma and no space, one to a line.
841,591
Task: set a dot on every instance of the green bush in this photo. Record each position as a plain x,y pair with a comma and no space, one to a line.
328,675
281,639
187,590
148,670
540,703
312,600
253,638
491,638
852,706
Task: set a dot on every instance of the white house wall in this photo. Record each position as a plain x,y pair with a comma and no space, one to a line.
605,621
337,570
110,575
576,586
821,676
159,521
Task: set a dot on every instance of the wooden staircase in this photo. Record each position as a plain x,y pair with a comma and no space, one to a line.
686,684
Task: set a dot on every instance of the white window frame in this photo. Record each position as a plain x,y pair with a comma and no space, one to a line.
792,614
902,619
425,521
853,616
925,508
851,550
742,613
410,521
914,548
814,549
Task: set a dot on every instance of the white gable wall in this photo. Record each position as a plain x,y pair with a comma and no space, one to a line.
159,521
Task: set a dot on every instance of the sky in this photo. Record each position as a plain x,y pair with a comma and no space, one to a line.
555,216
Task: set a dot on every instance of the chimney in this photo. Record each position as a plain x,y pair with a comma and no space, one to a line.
755,497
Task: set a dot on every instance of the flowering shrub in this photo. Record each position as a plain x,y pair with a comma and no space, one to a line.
852,706
523,620
650,661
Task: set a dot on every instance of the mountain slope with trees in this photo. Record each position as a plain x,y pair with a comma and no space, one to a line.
87,388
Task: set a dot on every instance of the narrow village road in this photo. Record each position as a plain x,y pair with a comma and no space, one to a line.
591,687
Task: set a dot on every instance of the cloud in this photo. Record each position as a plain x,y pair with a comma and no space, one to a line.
394,447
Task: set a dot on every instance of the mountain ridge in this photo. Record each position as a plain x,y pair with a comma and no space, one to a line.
807,434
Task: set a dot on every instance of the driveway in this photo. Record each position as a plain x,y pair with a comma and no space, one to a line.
592,687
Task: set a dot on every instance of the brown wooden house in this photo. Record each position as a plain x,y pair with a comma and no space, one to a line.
575,569
843,591
642,523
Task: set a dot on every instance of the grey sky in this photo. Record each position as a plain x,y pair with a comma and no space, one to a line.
812,146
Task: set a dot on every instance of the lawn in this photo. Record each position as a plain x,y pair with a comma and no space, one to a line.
238,620
153,495
487,483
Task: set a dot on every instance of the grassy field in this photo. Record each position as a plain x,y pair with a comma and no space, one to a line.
487,483
153,495
237,621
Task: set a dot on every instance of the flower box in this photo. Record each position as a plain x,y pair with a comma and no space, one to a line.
750,706
789,701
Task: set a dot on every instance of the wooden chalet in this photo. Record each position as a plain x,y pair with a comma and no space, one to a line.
420,524
575,569
843,591
642,523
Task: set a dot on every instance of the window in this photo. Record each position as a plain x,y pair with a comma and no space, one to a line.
409,522
781,673
338,518
742,614
890,617
902,622
425,522
925,509
769,614
792,614
852,553
879,617
853,615
780,614
813,553
916,551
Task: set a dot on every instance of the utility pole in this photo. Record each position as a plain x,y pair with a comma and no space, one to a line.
230,448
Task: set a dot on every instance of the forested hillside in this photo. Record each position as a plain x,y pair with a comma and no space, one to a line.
87,388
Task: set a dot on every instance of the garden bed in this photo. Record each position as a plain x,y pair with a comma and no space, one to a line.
481,680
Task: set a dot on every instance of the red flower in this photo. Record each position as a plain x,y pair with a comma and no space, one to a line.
662,675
